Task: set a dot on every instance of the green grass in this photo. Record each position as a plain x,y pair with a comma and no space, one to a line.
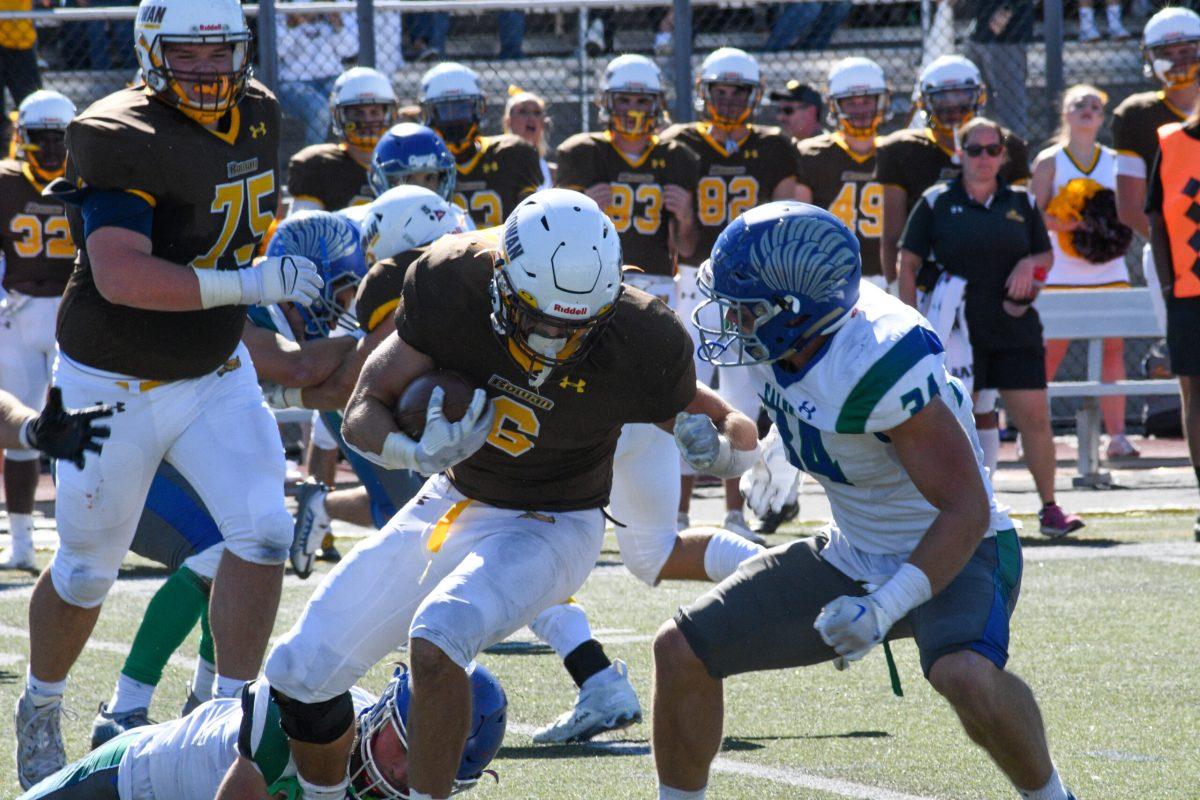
1107,643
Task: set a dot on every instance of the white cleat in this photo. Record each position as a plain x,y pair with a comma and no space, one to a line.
17,557
609,706
311,525
40,750
735,522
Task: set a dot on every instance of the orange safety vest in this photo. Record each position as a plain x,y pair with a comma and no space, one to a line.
1179,170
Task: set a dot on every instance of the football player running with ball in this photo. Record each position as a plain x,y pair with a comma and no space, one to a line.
510,522
174,185
856,386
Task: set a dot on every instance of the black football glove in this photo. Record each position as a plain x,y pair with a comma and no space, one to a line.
66,433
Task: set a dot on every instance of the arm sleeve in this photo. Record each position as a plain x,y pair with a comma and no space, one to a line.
671,373
416,320
573,169
113,158
529,175
1154,189
300,184
117,209
918,230
887,167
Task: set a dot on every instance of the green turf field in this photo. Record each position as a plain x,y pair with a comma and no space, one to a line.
1105,633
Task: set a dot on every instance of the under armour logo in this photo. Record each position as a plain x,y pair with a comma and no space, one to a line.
658,163
956,209
807,409
751,153
490,166
567,383
258,130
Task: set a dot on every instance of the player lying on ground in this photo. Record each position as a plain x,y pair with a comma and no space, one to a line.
856,385
236,744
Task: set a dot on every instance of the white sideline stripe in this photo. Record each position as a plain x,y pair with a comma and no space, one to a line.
788,777
133,587
10,658
14,632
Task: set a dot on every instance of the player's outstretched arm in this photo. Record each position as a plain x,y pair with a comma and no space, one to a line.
714,436
58,432
289,364
334,392
13,416
243,781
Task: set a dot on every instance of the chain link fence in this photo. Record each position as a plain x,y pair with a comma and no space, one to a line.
1029,52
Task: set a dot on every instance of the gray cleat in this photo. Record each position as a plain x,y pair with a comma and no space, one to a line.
40,749
109,726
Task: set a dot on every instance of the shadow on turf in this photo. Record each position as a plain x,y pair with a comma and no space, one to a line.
640,747
1035,542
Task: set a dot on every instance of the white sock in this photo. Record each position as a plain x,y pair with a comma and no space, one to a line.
989,440
228,687
667,793
415,795
1053,790
1087,17
203,680
1114,15
43,692
130,694
564,627
21,528
313,791
724,552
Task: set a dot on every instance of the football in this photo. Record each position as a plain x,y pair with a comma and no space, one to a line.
413,403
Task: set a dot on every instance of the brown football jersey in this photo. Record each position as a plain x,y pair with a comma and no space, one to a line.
503,171
329,175
213,195
379,292
637,209
1136,122
550,448
34,235
844,182
732,182
913,160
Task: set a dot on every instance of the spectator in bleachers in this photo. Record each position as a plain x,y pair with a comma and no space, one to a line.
525,116
427,34
998,44
1074,183
510,25
93,46
18,60
1088,32
805,25
991,236
311,47
1171,206
798,109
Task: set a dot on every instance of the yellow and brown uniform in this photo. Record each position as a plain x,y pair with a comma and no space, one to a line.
329,175
844,182
550,449
733,181
637,209
1135,127
379,292
502,172
213,195
35,238
913,160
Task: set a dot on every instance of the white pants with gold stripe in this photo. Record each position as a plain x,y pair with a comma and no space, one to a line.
460,574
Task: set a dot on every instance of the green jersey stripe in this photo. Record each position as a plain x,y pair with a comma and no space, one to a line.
882,376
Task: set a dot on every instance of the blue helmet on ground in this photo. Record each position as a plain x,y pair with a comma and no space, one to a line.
780,275
379,763
334,244
409,149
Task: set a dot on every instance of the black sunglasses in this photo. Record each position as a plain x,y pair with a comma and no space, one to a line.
976,150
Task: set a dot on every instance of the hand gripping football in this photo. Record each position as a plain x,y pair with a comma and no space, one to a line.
411,408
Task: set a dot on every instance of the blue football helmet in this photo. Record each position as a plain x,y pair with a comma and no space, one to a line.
334,244
369,779
780,275
408,149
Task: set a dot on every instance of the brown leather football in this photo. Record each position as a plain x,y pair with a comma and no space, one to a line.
414,402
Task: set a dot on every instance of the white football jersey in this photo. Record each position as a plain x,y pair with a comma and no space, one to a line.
186,758
879,369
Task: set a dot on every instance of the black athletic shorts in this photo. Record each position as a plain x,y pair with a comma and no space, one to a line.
1015,368
761,617
1183,334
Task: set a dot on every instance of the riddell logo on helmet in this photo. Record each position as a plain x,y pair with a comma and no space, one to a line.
215,27
572,311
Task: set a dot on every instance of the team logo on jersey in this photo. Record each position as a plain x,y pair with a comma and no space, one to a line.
258,130
532,398
805,256
567,383
807,409
230,366
1014,215
236,169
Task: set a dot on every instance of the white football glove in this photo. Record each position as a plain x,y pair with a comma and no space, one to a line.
280,279
698,439
852,626
282,396
443,443
769,483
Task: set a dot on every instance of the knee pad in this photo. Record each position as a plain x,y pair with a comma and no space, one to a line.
645,550
77,583
21,455
268,543
315,723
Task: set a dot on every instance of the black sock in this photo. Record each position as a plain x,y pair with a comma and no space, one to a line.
585,661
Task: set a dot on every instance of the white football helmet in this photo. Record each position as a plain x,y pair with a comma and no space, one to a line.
362,86
403,218
165,22
951,91
729,66
858,77
636,75
557,281
452,104
1171,46
42,121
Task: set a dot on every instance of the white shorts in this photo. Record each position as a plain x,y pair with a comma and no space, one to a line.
460,574
27,351
322,439
216,430
645,498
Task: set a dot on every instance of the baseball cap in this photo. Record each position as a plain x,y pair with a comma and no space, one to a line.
796,92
